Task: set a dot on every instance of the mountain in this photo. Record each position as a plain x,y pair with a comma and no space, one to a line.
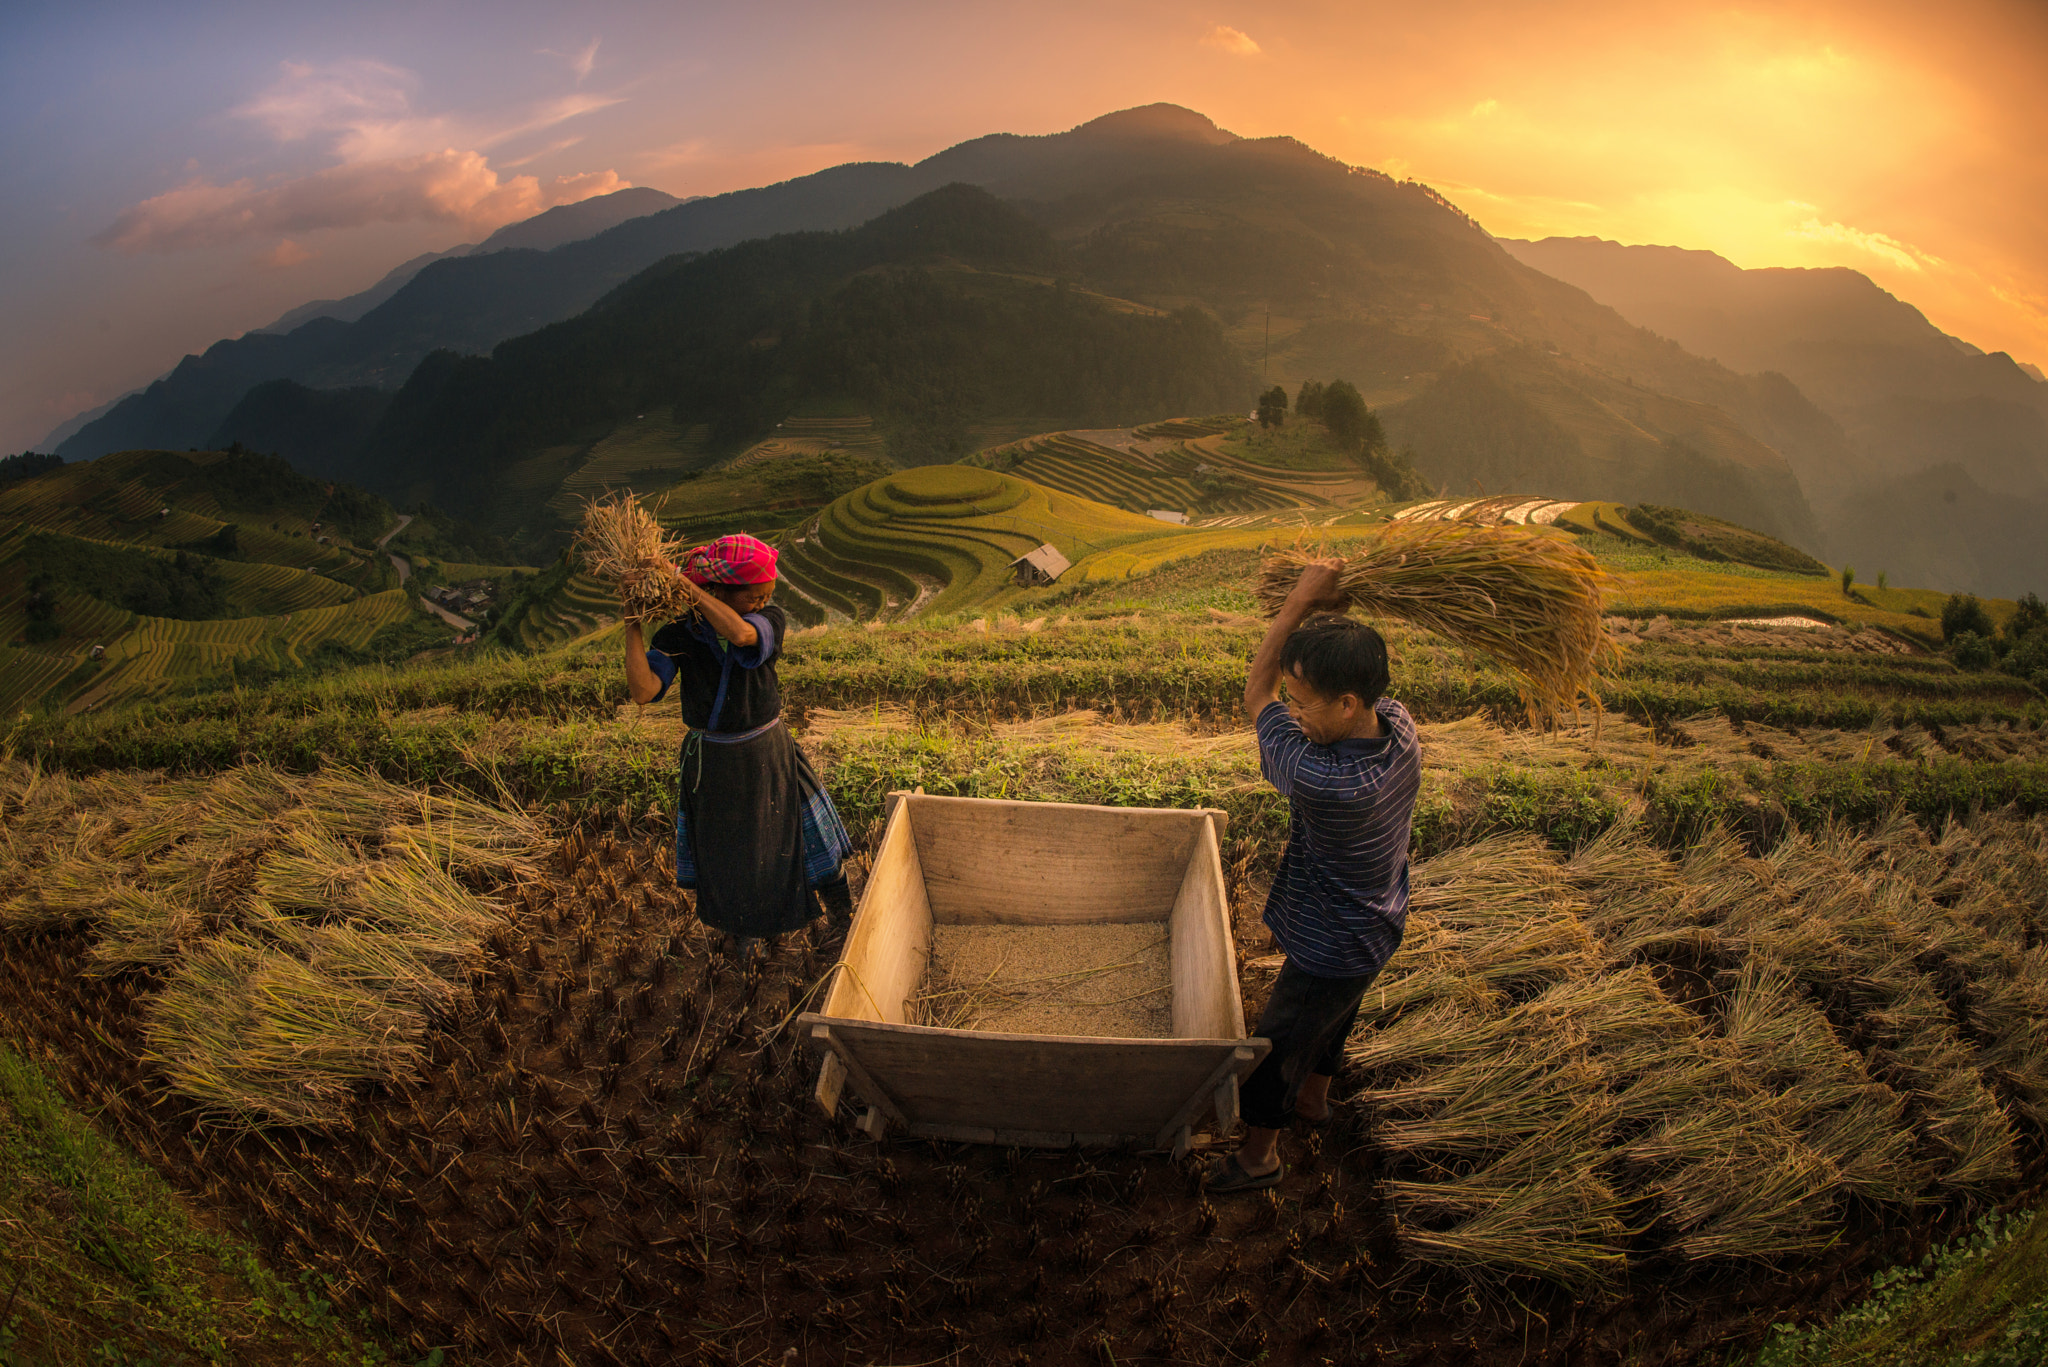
472,302
1358,275
324,429
1907,393
543,232
1923,412
356,305
929,316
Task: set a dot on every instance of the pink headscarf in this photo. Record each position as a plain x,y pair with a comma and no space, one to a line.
735,559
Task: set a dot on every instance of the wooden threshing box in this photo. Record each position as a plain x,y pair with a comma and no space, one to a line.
948,861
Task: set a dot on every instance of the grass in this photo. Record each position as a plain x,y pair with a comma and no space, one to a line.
1742,978
1979,1301
644,453
1301,444
104,1263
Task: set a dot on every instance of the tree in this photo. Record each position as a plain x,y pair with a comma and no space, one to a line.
27,465
2028,617
1848,577
1354,425
1309,403
1273,407
1883,581
41,610
1963,613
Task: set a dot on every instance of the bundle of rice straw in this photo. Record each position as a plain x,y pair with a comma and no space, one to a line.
621,542
1530,600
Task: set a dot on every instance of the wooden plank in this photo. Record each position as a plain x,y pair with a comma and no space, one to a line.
873,1124
1206,1000
1226,1105
864,1083
1220,819
1050,863
1240,1061
982,1079
890,941
831,1083
1020,1139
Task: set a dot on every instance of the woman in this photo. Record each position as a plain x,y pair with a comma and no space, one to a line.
756,832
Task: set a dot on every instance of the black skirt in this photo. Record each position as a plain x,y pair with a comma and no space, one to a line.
755,832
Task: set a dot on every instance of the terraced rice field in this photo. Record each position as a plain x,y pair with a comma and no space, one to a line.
584,605
1137,477
853,433
26,674
646,453
942,537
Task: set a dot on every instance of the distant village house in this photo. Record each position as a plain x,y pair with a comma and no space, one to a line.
1042,566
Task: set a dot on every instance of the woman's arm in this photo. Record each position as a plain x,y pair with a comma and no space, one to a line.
640,679
723,619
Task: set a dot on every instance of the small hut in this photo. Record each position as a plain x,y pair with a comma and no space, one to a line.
1042,566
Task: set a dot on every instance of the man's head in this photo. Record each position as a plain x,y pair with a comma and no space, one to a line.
1335,669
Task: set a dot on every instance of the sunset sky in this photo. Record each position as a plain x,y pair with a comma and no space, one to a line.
183,173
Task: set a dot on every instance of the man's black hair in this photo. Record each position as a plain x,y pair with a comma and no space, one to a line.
1338,655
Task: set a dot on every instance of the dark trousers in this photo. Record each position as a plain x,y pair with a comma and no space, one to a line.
1308,1019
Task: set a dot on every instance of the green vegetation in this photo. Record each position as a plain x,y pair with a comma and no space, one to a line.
645,452
27,465
183,586
1709,538
1981,1301
1179,478
761,497
105,1264
1303,444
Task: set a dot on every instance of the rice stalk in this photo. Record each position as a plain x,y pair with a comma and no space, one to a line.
143,928
1541,1210
441,920
622,543
1531,601
260,1038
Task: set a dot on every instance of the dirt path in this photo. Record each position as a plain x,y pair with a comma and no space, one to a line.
399,562
456,620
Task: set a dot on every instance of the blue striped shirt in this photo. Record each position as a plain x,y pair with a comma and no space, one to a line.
1340,899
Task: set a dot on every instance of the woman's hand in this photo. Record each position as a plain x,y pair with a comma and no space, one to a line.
641,682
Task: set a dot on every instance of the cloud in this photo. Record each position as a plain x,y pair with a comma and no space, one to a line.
1234,41
1888,249
395,166
581,61
284,255
448,186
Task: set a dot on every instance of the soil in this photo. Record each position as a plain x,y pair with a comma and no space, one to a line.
615,1158
1112,981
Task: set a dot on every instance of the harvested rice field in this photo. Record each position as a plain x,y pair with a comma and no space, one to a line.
1627,1102
1108,980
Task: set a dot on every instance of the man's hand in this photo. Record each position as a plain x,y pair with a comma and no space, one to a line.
1320,588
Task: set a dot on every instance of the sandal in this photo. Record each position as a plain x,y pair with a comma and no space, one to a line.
1228,1176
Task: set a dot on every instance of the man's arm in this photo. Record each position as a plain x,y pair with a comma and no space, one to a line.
1316,591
